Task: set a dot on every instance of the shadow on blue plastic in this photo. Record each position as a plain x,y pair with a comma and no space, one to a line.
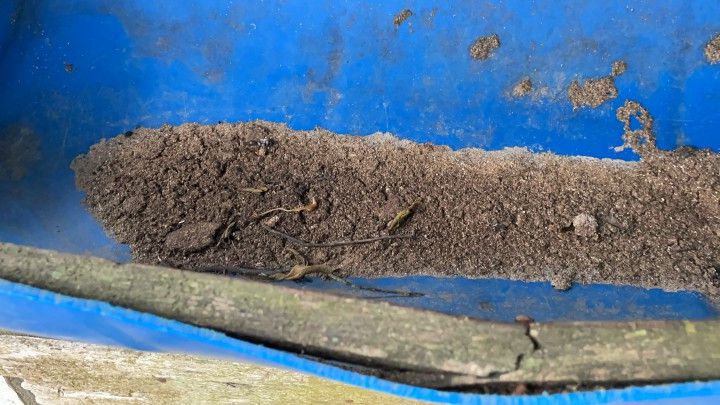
502,300
35,311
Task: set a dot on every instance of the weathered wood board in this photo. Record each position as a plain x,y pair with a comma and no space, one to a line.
460,351
47,371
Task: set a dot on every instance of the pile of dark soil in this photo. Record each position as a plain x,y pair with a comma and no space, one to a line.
190,196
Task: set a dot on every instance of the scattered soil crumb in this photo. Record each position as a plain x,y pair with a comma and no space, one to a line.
618,68
712,50
522,88
593,92
504,214
483,47
402,16
642,140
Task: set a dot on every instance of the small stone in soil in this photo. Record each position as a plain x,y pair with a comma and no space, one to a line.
585,225
272,221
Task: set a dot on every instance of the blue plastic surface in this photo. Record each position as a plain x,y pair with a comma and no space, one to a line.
75,71
502,300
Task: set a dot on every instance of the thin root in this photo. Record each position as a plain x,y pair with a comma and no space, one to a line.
641,141
303,243
309,207
297,255
226,233
299,271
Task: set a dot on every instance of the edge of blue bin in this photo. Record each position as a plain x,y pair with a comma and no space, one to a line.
690,392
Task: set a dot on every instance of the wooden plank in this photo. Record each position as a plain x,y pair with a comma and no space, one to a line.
8,395
49,371
408,345
646,351
362,331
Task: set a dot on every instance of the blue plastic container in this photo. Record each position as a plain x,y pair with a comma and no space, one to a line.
75,71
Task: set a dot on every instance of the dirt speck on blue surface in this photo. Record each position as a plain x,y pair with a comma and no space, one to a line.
593,92
402,16
503,214
19,151
522,88
618,67
596,91
712,50
484,47
430,17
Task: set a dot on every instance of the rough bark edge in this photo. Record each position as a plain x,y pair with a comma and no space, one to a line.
361,331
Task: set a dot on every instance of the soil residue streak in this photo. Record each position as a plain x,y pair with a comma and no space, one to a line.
594,92
483,47
712,50
402,16
522,88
